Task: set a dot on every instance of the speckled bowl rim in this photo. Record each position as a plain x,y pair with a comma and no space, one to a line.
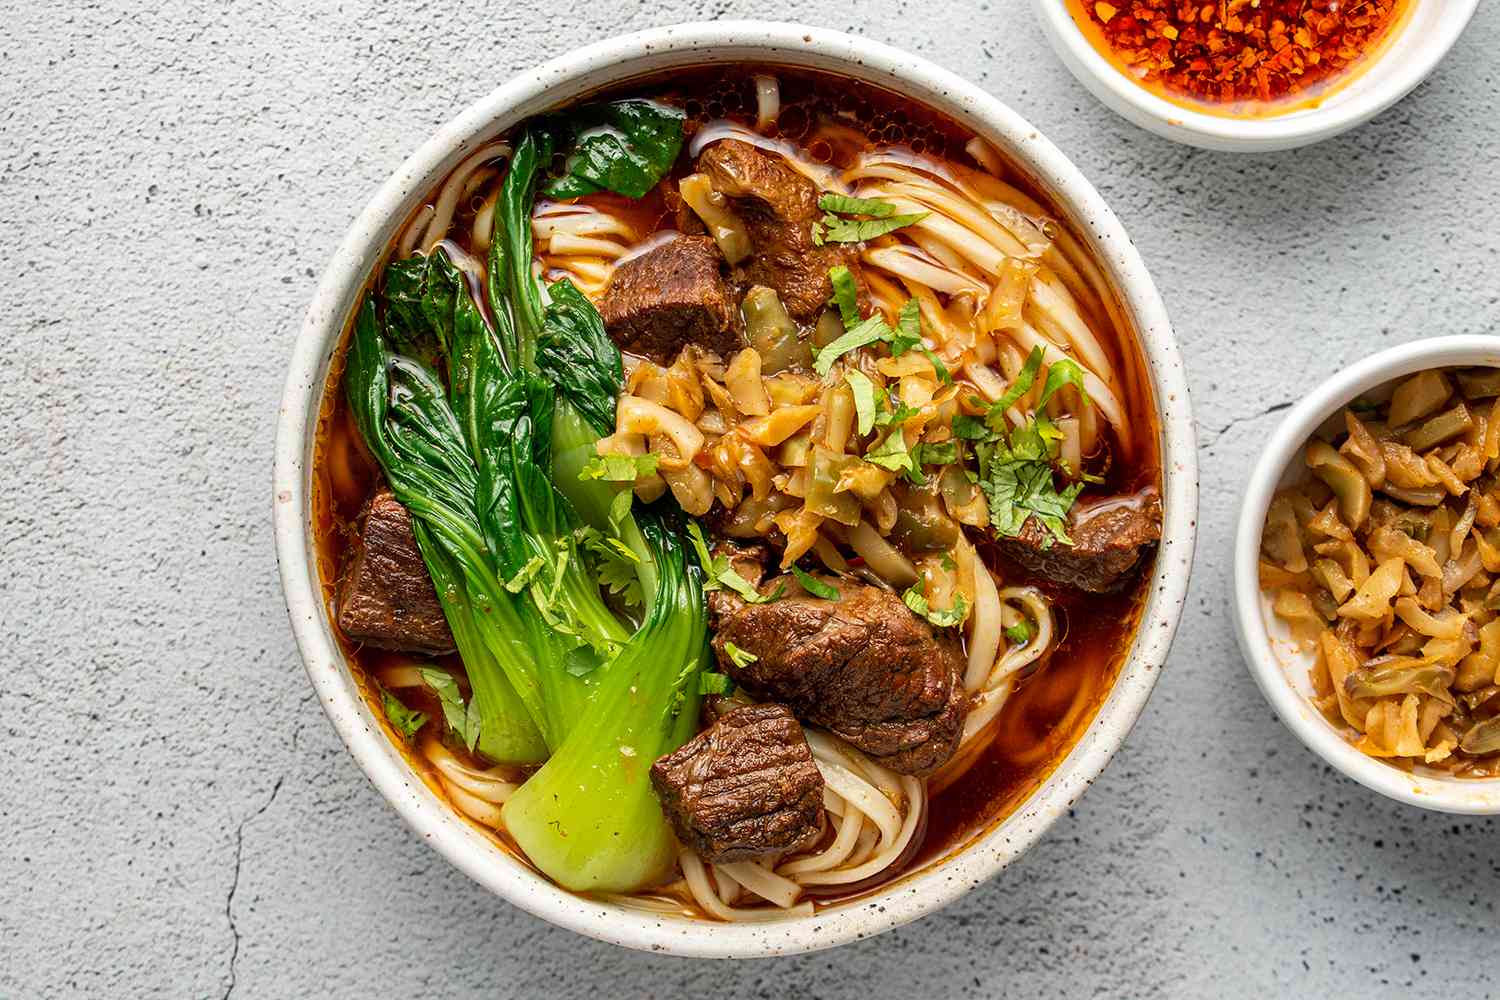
586,70
1272,670
1417,52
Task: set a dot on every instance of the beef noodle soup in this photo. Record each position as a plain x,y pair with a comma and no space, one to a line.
736,491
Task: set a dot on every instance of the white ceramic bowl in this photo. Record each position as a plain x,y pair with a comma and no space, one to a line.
1428,33
1277,665
564,79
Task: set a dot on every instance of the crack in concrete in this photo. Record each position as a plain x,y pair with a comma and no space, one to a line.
1221,431
234,883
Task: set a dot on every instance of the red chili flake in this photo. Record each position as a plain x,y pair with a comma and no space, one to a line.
1236,51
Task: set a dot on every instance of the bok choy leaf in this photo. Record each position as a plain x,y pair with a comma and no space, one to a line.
624,146
399,406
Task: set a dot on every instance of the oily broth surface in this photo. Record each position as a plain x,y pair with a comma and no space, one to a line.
834,119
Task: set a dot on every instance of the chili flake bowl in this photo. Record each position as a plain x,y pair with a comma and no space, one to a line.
1428,30
1278,666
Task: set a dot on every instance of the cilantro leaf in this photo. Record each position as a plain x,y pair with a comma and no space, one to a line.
1060,373
1020,486
908,336
908,328
614,565
405,721
892,453
462,720
885,416
722,575
619,507
833,229
916,599
864,399
862,334
1025,379
848,205
814,586
739,657
967,428
845,295
715,683
619,468
943,453
1019,633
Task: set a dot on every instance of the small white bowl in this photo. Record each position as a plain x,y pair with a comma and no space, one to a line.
1277,665
587,71
1428,33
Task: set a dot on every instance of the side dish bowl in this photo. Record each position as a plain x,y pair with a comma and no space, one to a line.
1429,31
587,70
1278,666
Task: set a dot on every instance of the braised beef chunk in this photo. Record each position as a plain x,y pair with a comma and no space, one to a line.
671,296
386,597
745,787
863,667
779,206
1111,538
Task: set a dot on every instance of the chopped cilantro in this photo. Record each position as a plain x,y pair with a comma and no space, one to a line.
713,683
1060,373
1025,379
847,205
892,453
404,720
864,399
834,229
739,657
1018,483
619,507
462,720
943,374
814,586
908,336
845,295
916,599
967,428
1019,633
722,575
943,453
614,565
619,468
862,334
908,328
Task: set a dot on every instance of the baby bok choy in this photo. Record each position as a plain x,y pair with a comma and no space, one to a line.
589,818
404,417
505,418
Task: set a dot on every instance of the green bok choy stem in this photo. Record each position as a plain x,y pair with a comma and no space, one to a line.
590,818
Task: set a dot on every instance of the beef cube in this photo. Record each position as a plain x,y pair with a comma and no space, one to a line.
744,788
863,667
671,296
779,206
386,598
1111,539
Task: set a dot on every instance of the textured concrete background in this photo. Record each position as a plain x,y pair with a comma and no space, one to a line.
179,819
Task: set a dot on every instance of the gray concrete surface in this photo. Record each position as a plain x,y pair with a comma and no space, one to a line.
178,818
